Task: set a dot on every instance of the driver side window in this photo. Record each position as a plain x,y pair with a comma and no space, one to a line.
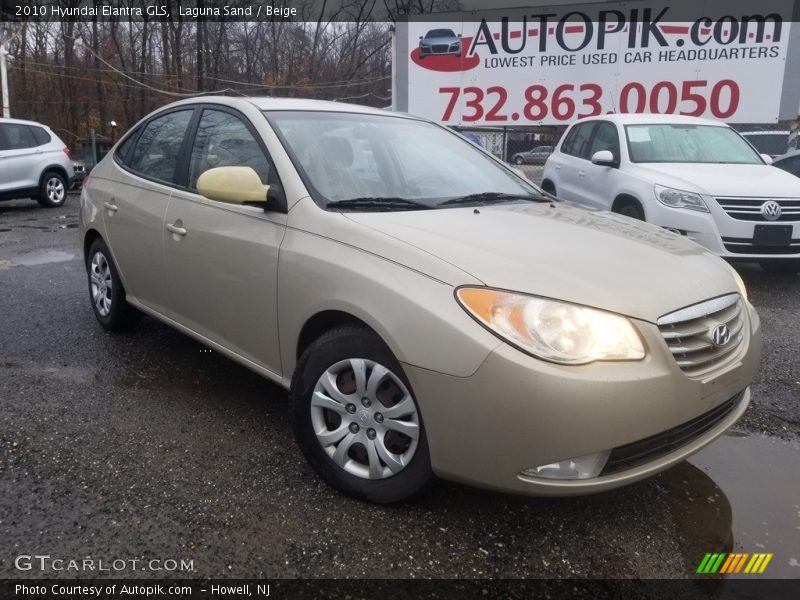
223,140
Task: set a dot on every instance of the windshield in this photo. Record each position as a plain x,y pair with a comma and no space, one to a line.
435,33
688,144
390,160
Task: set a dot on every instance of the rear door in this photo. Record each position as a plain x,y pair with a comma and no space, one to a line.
571,163
18,158
222,264
134,201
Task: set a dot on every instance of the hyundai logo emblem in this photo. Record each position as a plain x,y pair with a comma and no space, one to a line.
720,335
771,210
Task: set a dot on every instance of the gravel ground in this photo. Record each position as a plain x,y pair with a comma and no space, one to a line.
143,446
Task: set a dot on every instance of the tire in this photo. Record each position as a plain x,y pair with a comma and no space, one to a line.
518,160
789,267
52,190
329,401
630,209
106,292
548,187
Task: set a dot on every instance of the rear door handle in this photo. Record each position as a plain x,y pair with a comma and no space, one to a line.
581,173
176,230
111,207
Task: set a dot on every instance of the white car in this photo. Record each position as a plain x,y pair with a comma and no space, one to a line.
696,177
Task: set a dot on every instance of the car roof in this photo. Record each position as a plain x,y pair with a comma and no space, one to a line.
21,122
652,119
271,103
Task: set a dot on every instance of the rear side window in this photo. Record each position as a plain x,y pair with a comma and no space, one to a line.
156,152
40,136
577,143
15,137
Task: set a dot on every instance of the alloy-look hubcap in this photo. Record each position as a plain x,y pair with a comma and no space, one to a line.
55,189
365,418
100,277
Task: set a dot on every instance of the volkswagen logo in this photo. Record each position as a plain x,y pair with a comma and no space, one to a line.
771,210
720,335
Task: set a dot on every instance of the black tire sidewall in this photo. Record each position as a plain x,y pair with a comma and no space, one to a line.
632,211
119,316
330,348
43,199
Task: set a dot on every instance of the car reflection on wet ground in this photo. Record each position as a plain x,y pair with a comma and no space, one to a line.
146,444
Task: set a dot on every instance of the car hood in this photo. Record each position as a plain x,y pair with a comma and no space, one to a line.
723,180
566,252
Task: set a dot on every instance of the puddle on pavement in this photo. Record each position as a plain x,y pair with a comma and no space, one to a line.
44,257
740,494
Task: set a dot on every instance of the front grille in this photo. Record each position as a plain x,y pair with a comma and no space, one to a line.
440,48
746,246
688,333
749,209
661,444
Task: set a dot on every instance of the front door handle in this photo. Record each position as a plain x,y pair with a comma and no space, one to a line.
111,207
176,229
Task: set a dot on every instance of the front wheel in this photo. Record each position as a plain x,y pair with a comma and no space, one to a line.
356,419
52,190
106,292
518,160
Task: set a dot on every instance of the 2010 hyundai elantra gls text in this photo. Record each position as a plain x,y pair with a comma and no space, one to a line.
430,310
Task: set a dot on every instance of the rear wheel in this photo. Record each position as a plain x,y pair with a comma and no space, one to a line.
356,419
52,190
106,292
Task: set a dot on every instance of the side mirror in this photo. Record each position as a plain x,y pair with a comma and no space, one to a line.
604,158
767,158
459,35
420,37
234,185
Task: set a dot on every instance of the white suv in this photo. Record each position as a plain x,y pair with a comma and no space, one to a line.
34,163
696,177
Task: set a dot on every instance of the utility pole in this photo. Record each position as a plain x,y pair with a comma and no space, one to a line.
3,74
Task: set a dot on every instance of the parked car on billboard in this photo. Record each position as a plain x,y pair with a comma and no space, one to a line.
697,177
439,41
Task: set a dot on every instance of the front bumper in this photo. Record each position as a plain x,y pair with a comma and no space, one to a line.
517,412
722,234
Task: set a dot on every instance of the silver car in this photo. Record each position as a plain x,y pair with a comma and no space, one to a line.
430,313
34,163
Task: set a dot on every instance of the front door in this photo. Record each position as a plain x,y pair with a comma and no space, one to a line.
221,259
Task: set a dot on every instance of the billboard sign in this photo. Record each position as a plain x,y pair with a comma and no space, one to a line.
529,67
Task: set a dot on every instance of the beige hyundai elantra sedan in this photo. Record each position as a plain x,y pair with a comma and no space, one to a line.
431,311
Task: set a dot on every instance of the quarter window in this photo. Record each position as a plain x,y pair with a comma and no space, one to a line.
223,140
156,151
40,136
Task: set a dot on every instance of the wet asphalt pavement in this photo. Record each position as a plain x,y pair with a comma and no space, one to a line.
142,445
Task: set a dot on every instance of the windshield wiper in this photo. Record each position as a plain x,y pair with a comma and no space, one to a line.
378,203
494,196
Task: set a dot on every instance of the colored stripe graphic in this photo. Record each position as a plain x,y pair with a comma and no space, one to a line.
723,563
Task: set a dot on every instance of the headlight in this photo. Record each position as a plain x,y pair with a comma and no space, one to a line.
679,198
560,332
740,283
